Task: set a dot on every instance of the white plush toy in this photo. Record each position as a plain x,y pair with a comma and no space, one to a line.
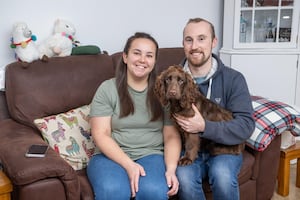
61,42
22,42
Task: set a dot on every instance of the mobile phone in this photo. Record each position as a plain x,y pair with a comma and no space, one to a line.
37,150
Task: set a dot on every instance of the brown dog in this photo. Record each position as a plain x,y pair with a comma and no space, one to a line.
177,88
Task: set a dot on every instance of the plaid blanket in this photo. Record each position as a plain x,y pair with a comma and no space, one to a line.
272,118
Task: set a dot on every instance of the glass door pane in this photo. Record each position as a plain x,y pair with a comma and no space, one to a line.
285,25
259,3
245,26
287,2
265,22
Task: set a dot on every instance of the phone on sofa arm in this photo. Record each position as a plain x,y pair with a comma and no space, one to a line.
37,150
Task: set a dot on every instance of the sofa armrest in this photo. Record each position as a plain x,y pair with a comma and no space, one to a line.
265,168
268,169
257,157
15,140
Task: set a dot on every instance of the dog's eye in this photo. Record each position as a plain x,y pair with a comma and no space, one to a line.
180,81
168,80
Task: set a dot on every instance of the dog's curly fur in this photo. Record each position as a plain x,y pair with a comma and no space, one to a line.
176,88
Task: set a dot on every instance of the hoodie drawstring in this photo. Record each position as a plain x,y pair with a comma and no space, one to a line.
208,94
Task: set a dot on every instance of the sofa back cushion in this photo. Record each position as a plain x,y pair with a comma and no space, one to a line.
59,85
168,57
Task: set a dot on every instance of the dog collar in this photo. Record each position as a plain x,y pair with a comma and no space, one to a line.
23,44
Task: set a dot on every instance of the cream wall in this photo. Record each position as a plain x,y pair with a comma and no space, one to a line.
107,23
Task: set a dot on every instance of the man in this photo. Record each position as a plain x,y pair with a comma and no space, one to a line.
228,88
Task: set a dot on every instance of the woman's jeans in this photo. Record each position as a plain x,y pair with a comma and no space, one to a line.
222,173
110,181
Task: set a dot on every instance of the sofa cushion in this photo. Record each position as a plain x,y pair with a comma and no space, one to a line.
247,167
272,118
69,135
59,85
168,57
86,191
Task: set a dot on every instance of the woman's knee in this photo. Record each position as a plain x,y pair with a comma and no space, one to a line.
108,179
152,191
111,191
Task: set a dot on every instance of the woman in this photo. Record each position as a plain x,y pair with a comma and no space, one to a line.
139,147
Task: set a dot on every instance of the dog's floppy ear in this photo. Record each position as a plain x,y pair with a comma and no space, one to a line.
189,92
160,88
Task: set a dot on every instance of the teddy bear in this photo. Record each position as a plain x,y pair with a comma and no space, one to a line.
22,41
61,42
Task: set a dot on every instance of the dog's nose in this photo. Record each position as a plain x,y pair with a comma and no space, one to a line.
172,92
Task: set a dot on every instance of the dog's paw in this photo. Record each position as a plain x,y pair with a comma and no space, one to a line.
185,161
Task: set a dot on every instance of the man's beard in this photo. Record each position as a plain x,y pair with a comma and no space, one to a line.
199,63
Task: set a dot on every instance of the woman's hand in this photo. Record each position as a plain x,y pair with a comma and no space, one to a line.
134,171
173,183
101,131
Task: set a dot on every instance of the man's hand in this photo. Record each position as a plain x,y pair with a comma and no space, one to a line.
193,124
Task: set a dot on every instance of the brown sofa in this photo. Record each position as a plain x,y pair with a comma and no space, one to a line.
61,84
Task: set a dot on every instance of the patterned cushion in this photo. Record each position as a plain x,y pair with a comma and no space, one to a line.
69,135
272,118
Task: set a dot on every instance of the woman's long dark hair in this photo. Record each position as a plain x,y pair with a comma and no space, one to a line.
126,103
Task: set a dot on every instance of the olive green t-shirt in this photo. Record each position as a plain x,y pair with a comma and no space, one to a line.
135,133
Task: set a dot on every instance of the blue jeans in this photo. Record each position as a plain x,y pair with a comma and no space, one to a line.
110,180
222,173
